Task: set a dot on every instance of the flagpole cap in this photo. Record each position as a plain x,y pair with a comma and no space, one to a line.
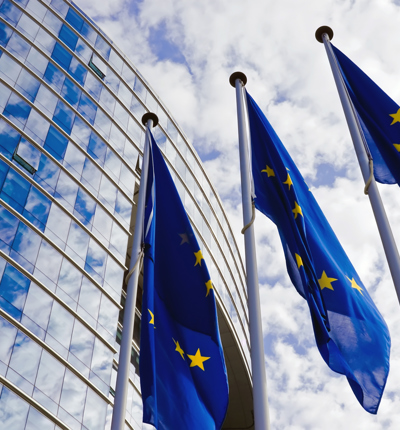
321,30
237,75
149,115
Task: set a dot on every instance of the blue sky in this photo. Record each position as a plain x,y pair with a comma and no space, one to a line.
187,51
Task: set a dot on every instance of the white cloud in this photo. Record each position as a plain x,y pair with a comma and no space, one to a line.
289,77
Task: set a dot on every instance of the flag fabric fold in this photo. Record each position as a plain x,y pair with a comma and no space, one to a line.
379,117
350,333
182,368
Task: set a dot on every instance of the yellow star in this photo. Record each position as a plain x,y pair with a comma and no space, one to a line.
288,181
355,286
198,360
179,349
152,317
299,261
297,210
268,171
326,282
396,117
199,257
185,238
397,146
209,286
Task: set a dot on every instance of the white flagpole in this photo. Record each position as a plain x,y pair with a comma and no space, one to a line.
260,398
324,34
121,389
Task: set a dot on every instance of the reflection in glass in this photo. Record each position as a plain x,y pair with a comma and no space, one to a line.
50,376
13,411
73,395
25,357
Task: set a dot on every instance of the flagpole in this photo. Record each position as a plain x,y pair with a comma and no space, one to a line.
121,389
260,399
324,34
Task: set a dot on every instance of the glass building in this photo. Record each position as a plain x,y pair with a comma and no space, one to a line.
71,141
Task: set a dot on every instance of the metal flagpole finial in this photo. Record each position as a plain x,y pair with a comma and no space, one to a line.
320,32
150,115
237,75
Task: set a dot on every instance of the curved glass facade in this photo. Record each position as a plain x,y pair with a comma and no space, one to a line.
71,140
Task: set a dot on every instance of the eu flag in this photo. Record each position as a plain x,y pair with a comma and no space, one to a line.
182,368
350,333
379,117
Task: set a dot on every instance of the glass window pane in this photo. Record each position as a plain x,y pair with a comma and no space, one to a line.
113,165
18,46
37,9
78,240
107,192
68,37
14,287
36,421
123,209
11,402
38,206
74,160
67,189
96,260
95,411
25,357
93,85
97,148
17,110
85,206
103,123
73,395
74,19
82,343
103,47
60,7
88,32
52,22
56,143
102,361
16,188
78,71
91,176
64,116
36,62
60,324
54,77
37,127
70,279
49,261
38,306
87,108
28,27
27,243
81,132
107,100
58,222
45,41
50,376
83,50
10,12
61,56
46,100
116,61
71,93
112,81
47,174
8,226
4,96
5,34
7,337
9,68
89,298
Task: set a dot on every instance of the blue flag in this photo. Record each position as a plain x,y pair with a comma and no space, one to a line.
350,333
182,367
379,117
